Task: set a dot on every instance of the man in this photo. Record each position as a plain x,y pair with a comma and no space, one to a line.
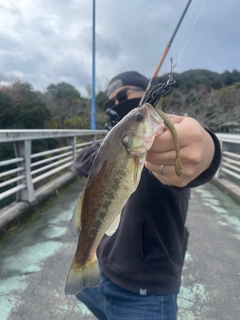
141,263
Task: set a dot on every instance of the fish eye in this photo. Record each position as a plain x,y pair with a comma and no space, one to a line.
139,117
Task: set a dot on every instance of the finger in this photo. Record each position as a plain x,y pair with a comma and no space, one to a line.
163,170
169,158
158,158
167,175
165,141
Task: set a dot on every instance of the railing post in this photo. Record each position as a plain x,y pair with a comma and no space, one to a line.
218,173
23,149
72,141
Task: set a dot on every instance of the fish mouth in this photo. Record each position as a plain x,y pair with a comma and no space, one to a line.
149,139
154,122
153,116
140,137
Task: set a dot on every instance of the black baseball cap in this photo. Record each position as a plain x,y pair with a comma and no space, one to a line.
131,78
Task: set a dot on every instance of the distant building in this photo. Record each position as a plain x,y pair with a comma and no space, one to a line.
229,127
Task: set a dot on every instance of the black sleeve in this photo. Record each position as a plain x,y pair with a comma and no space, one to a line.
208,174
84,159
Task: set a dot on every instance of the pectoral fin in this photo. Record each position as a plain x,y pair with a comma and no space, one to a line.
138,163
114,226
75,223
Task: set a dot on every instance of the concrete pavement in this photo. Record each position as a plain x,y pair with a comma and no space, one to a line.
35,260
211,276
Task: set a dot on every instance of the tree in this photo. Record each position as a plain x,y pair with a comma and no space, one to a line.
7,113
63,100
192,79
213,108
229,101
89,90
227,78
21,108
101,98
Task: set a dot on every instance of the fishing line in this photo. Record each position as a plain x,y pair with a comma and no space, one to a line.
181,53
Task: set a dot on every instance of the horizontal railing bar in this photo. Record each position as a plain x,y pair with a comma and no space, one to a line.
229,140
49,173
34,164
56,160
6,173
12,191
84,144
233,138
6,162
34,134
50,165
227,160
63,157
233,174
87,143
231,167
44,153
5,183
234,155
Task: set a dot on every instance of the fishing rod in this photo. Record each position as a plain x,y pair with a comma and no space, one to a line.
165,52
160,90
163,89
153,96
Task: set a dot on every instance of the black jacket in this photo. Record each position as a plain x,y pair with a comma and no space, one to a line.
145,255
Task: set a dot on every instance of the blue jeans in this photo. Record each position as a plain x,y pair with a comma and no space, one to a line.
110,302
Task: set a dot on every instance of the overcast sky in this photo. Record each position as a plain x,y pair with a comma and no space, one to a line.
49,41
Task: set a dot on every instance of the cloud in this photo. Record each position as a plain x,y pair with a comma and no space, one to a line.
47,42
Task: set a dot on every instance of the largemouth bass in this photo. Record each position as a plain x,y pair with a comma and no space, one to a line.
114,176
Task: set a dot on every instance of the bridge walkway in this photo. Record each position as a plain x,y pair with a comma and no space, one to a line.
35,258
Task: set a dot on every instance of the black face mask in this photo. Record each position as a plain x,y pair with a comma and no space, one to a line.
118,111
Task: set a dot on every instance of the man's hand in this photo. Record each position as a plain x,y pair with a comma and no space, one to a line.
196,152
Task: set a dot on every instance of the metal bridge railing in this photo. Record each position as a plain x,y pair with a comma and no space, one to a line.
22,174
27,169
230,165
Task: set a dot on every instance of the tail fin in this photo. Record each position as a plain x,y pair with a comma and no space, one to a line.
80,278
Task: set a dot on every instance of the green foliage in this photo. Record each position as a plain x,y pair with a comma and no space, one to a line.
102,118
194,79
101,98
209,97
89,90
21,108
63,100
6,111
63,90
62,105
77,123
